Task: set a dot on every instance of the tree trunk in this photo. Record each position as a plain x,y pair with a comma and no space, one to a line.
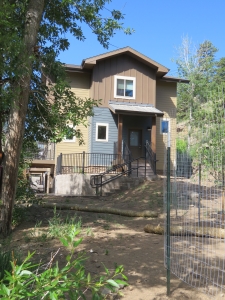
213,232
106,210
17,115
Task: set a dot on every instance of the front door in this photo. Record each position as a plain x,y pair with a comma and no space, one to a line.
135,142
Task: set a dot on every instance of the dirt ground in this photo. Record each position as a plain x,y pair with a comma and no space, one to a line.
114,240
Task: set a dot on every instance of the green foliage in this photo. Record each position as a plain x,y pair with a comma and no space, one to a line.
24,192
6,257
181,145
59,227
199,66
48,120
19,214
54,282
220,71
201,102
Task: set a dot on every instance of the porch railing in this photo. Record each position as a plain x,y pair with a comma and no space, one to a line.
150,156
87,163
97,181
43,151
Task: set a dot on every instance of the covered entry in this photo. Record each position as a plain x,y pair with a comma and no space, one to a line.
135,142
136,124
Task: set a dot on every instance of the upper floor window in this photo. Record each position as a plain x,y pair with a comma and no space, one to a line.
70,137
124,87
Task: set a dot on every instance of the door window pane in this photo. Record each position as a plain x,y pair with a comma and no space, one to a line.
134,138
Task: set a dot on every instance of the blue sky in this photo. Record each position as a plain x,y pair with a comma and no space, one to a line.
159,27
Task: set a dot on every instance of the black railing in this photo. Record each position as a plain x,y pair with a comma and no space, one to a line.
97,181
43,151
150,156
127,156
87,163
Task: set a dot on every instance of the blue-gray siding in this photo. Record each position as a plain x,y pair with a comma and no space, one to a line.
104,115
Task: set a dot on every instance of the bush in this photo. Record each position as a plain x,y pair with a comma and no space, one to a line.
181,145
6,257
19,214
29,281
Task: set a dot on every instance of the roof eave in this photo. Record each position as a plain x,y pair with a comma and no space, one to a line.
174,79
135,113
91,62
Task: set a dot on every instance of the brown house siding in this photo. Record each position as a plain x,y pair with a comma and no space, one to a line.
166,101
103,79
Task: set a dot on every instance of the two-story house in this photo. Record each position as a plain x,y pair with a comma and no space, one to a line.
138,105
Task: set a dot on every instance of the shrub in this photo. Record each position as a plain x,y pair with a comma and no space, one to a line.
29,281
5,261
181,145
19,214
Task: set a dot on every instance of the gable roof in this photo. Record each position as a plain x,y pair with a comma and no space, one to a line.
90,62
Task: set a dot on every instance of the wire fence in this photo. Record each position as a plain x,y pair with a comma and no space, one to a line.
195,200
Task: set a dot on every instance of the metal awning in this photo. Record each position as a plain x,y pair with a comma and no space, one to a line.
134,109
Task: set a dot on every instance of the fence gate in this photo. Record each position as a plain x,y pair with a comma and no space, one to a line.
194,201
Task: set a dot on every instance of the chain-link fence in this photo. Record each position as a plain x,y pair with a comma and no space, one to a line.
194,202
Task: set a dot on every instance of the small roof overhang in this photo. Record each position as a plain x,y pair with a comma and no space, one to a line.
137,109
174,79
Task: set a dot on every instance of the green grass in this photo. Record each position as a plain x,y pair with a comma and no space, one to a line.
6,257
59,227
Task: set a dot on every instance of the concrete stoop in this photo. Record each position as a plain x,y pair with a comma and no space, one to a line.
121,184
141,171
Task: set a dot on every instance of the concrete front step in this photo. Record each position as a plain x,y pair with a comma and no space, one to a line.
125,183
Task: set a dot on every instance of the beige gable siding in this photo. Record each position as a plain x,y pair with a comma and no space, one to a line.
166,101
73,147
80,84
102,86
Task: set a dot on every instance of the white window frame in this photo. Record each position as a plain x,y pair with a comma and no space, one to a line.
107,132
73,140
124,78
161,120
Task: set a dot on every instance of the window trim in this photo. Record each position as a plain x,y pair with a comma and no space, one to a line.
65,140
107,132
124,78
161,120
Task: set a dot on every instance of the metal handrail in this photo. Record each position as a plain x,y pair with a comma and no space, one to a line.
97,182
127,155
150,156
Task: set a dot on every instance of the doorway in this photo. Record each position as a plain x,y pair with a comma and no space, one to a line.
135,142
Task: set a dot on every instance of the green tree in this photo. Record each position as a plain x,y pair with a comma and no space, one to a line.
220,72
198,65
32,35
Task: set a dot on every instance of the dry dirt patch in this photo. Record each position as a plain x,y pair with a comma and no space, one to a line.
115,240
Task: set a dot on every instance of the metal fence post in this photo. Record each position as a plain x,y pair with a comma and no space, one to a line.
137,166
199,192
83,162
168,217
129,165
60,164
145,159
101,185
155,163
